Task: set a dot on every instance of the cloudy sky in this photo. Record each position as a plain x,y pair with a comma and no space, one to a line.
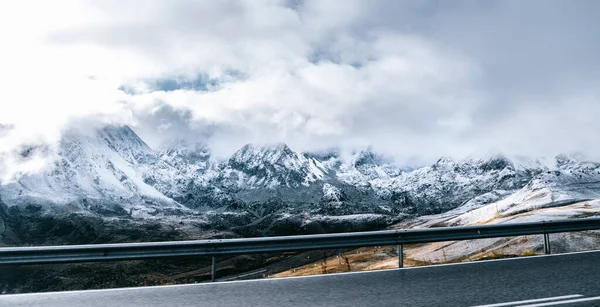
414,79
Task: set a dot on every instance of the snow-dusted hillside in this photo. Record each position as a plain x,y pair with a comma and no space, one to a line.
448,184
191,160
102,168
361,168
569,189
112,172
270,167
192,171
114,165
571,182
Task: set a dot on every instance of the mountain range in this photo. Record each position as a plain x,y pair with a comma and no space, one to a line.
111,175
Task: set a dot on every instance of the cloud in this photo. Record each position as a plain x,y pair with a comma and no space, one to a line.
415,80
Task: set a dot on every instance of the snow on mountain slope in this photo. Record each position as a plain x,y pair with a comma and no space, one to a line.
571,182
190,159
273,190
568,189
189,165
114,166
270,167
106,166
195,182
515,246
362,167
567,182
448,184
442,186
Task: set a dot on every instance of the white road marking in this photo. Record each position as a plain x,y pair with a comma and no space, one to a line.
546,299
579,300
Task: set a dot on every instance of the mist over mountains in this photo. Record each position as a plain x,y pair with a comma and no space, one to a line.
113,176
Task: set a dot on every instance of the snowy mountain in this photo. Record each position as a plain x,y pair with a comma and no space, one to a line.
570,182
194,160
568,189
448,184
103,170
272,189
271,167
361,168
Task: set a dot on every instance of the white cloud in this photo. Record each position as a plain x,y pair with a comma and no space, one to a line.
400,76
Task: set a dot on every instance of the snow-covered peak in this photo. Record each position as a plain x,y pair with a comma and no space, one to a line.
182,155
106,166
364,166
444,162
272,166
574,163
551,188
366,157
495,162
330,158
448,183
112,165
488,163
324,155
253,155
119,139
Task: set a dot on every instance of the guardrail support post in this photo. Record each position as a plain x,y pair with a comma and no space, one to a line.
547,249
213,271
400,256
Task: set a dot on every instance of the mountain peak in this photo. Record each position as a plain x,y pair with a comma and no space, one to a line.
123,140
445,161
493,162
187,157
104,165
367,156
188,150
118,130
563,160
272,165
117,137
324,155
268,146
261,154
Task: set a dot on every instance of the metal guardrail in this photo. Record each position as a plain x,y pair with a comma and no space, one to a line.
157,250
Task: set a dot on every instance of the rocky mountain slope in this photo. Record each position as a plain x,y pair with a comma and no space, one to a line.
103,171
272,189
570,190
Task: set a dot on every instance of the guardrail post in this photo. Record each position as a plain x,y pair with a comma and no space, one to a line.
547,249
400,256
213,271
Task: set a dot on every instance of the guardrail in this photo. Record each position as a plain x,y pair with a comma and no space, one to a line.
157,250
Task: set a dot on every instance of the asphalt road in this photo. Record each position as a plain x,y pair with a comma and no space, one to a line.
558,280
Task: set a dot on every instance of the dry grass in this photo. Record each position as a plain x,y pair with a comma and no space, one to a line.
435,253
361,259
381,258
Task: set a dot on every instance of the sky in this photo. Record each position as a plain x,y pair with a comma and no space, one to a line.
414,79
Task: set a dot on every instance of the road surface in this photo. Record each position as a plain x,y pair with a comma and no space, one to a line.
557,280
